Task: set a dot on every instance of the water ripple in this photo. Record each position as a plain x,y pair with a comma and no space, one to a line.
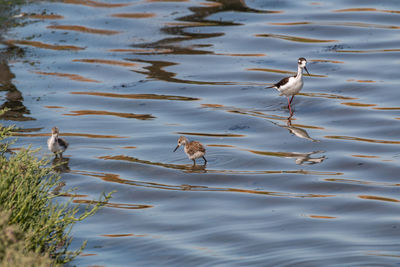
295,38
83,29
110,113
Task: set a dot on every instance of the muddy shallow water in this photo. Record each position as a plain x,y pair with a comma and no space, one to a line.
124,79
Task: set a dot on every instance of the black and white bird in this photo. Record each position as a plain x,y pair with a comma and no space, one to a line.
56,144
290,86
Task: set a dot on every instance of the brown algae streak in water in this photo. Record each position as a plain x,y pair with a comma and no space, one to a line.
365,156
354,104
240,55
346,24
134,15
388,108
378,198
92,3
212,135
365,9
295,38
138,96
142,51
74,77
45,46
289,23
321,217
327,60
368,51
53,107
361,81
353,181
351,138
109,113
82,29
107,62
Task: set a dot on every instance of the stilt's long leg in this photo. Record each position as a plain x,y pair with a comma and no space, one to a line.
205,161
289,106
291,99
194,162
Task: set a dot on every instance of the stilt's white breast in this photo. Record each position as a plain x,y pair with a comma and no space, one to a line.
54,146
292,87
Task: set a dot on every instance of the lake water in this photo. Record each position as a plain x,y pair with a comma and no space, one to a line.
124,79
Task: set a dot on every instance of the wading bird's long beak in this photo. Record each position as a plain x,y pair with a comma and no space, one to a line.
307,70
176,148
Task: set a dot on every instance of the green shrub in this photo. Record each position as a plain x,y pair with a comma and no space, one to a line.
26,186
12,247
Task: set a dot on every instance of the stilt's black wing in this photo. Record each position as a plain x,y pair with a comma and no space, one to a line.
62,143
282,82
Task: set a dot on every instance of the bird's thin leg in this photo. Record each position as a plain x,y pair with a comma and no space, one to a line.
205,161
288,103
289,107
194,162
291,99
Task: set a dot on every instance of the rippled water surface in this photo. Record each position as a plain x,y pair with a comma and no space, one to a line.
124,79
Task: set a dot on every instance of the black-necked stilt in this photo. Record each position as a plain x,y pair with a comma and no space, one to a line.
55,144
290,86
192,149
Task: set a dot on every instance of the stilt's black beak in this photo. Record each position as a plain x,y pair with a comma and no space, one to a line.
307,70
176,148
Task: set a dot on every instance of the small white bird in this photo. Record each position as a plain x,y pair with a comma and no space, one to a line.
55,144
290,86
192,149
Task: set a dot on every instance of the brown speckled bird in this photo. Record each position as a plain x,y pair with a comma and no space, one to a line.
192,149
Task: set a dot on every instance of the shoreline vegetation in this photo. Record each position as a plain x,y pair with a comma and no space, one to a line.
35,217
34,222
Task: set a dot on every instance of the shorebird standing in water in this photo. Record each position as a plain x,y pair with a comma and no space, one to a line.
55,144
192,149
290,86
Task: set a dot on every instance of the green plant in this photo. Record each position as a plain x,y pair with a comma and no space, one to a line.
26,186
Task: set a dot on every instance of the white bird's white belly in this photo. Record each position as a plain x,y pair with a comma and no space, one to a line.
53,145
292,87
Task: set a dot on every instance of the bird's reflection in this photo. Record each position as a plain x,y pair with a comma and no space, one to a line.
305,158
183,167
57,190
196,169
297,131
60,165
